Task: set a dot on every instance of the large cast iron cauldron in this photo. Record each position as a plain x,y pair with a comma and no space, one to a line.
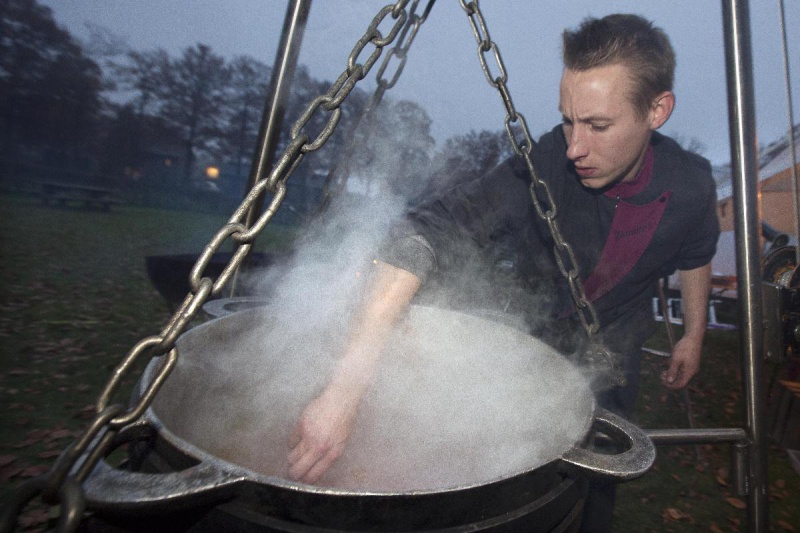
470,425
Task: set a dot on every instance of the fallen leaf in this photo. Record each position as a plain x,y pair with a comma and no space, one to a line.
21,406
715,528
786,526
6,460
10,472
671,514
48,454
37,434
86,412
780,483
736,502
33,471
34,517
60,434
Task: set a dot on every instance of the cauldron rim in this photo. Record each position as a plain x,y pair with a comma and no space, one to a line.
204,456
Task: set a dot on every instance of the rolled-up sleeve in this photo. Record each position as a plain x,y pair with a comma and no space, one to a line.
411,252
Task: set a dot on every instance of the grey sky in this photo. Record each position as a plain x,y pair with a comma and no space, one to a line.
443,72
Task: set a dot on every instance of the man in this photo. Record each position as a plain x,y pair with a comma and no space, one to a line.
631,203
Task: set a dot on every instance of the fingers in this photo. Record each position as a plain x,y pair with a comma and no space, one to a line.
295,438
319,437
678,374
673,380
322,465
309,461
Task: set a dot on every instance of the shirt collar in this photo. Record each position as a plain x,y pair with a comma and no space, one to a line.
626,189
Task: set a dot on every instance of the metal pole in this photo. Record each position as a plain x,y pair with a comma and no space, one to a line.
282,74
294,24
741,109
790,116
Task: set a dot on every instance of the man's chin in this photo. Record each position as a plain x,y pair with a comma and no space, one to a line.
595,183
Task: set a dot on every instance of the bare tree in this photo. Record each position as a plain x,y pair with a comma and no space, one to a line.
49,89
193,96
143,73
466,157
247,94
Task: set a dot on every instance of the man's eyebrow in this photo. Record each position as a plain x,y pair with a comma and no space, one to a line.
585,120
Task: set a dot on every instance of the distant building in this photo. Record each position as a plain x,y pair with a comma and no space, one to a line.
776,205
775,188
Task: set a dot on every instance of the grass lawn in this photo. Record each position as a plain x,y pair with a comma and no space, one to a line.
75,298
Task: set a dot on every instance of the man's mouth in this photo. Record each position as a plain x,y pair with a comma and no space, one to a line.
585,172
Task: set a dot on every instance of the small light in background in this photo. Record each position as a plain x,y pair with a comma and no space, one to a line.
212,173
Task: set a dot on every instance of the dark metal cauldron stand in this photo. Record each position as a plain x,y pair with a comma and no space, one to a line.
62,484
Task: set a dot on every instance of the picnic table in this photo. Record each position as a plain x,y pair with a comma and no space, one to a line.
91,197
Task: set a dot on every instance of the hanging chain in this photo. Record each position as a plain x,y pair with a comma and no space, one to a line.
599,363
61,485
540,191
337,177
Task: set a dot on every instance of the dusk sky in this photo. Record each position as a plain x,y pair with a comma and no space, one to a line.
443,72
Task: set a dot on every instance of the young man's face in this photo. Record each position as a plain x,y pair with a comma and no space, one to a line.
606,139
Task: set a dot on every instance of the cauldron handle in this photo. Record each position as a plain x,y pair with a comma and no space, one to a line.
110,488
638,457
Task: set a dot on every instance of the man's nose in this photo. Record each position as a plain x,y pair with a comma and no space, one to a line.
577,147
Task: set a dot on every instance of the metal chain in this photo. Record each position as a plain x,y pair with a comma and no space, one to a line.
539,190
59,485
337,178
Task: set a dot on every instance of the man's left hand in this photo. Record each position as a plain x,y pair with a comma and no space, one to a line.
683,365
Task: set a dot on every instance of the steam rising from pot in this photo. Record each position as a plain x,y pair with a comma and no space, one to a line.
458,399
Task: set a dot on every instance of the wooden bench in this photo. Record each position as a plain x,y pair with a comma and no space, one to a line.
53,193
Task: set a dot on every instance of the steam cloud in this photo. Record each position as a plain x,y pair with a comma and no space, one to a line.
458,400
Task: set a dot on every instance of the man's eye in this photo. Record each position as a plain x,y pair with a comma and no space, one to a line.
599,127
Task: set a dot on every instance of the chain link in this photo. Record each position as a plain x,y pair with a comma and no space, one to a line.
404,41
540,192
61,484
337,177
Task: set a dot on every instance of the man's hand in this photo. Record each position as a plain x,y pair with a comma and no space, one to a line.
321,434
683,365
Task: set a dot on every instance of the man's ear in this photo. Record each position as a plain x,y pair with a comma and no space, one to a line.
661,109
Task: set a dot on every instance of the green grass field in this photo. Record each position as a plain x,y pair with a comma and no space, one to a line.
75,298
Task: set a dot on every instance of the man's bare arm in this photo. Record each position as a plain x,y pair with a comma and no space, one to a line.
325,425
685,360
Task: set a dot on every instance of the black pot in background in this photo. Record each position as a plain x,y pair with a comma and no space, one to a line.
169,274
